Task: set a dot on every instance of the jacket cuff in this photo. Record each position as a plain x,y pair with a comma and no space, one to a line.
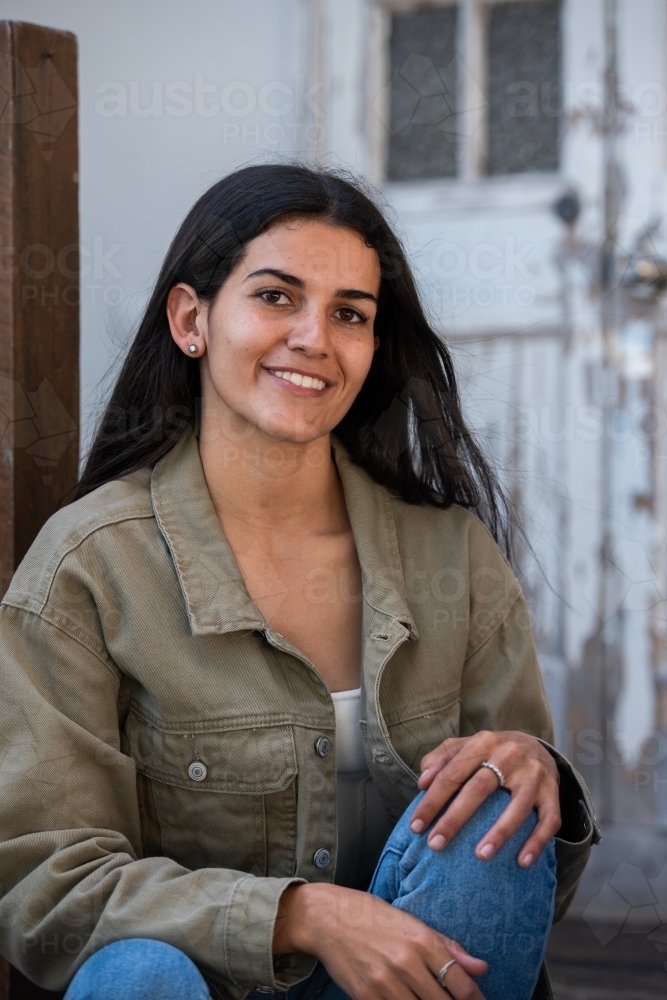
579,830
248,938
578,814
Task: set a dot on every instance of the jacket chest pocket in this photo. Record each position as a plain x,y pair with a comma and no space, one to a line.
224,798
418,731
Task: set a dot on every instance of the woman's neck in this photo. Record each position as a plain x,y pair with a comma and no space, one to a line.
275,489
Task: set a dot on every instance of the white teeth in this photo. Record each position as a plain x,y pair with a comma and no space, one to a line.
307,381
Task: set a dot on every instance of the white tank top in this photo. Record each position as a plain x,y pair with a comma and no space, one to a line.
349,744
363,824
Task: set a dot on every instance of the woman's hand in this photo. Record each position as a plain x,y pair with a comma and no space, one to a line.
372,950
530,774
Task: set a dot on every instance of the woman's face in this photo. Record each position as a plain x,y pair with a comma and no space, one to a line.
288,340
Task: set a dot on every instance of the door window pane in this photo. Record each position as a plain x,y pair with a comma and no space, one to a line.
422,94
524,86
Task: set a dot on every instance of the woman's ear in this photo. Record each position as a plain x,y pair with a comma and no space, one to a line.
187,319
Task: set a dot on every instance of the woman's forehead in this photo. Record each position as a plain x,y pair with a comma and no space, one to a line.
316,247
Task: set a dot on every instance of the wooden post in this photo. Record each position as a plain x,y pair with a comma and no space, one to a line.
39,300
39,281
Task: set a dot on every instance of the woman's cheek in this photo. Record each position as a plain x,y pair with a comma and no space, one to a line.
359,363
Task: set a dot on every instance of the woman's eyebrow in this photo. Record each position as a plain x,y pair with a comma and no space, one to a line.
355,293
291,279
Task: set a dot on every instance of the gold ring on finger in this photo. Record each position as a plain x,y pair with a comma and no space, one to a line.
443,972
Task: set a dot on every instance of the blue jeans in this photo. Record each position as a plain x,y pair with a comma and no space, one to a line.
495,909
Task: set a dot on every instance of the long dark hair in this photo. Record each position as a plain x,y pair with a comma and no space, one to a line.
405,428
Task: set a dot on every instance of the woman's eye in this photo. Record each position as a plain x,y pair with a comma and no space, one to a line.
273,296
350,315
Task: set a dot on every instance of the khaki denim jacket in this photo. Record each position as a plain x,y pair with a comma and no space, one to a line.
158,774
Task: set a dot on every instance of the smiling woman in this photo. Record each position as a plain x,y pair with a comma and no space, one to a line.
278,646
292,297
300,349
405,425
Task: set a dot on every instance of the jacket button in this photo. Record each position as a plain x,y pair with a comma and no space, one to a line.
322,746
322,858
197,771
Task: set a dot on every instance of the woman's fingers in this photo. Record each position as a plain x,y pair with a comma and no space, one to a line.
458,985
520,806
419,972
434,761
384,953
446,781
465,805
457,982
473,966
532,787
548,825
530,774
409,969
529,794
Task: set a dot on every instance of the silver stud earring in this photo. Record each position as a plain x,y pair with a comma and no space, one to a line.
193,348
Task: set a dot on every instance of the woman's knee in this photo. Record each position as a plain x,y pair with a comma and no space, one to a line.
496,909
471,833
500,881
504,866
138,969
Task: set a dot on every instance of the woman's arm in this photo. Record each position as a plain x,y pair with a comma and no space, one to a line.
505,719
373,951
71,868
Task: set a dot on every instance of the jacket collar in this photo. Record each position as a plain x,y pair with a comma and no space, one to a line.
369,508
213,587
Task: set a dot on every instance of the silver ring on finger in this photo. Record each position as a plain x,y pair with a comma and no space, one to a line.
496,770
443,972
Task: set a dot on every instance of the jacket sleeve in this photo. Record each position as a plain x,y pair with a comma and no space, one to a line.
502,689
71,868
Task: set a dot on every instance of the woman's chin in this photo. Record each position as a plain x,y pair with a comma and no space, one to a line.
294,433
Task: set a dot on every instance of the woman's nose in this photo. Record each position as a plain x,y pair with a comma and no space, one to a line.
311,335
